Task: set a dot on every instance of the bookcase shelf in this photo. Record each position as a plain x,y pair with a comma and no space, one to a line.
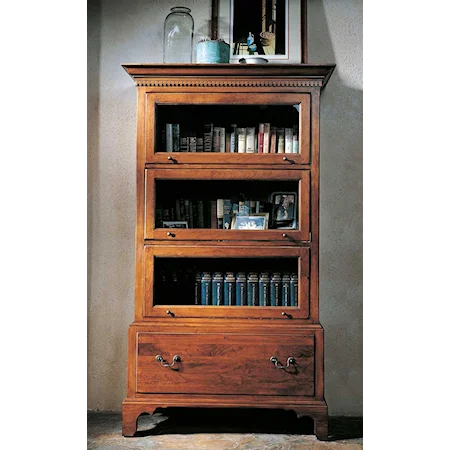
226,279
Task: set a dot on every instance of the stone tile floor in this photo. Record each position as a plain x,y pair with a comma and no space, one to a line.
209,429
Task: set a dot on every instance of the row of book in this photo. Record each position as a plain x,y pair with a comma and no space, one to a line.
242,289
265,138
207,213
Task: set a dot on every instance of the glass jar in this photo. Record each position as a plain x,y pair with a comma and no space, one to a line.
178,35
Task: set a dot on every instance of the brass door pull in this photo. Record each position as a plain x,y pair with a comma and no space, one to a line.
290,361
161,360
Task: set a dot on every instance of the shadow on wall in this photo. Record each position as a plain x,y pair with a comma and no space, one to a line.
341,199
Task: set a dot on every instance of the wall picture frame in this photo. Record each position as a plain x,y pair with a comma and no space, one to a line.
175,224
275,30
284,210
257,221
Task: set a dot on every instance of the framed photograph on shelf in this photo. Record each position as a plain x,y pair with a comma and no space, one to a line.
273,29
175,224
284,210
251,222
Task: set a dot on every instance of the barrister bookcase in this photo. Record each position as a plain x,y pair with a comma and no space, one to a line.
227,240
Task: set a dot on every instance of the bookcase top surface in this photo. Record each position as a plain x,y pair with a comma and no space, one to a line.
291,71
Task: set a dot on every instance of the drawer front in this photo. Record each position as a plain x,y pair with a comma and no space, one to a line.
225,364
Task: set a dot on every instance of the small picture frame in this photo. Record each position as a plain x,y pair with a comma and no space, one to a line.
258,221
284,210
175,224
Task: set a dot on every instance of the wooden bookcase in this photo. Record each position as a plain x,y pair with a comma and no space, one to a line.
182,353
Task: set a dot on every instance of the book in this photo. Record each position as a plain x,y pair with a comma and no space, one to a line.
207,137
260,137
288,141
199,144
241,140
293,290
280,140
229,289
177,209
176,137
213,214
233,133
227,214
194,206
158,218
285,285
188,212
275,289
266,138
182,210
220,213
250,140
169,137
252,289
217,289
222,139
192,140
227,142
184,142
216,139
273,140
207,213
295,140
198,289
241,289
200,212
206,282
264,289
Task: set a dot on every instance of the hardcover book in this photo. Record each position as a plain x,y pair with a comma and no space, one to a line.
260,138
295,140
280,140
217,289
207,137
233,138
219,212
266,138
192,139
176,137
241,289
169,137
216,140
229,289
200,212
227,142
285,285
222,139
252,289
184,142
288,140
206,281
241,138
199,143
293,290
273,140
213,214
250,140
264,289
275,289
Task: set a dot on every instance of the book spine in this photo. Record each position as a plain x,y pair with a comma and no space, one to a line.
200,212
169,137
229,289
199,144
176,137
241,289
198,289
158,217
288,140
206,288
216,139
295,140
187,212
194,206
213,214
293,290
177,209
241,140
184,144
285,284
264,289
250,140
260,138
217,289
252,289
227,214
275,290
207,137
266,138
207,213
233,138
182,210
192,143
273,140
280,140
220,213
227,142
222,139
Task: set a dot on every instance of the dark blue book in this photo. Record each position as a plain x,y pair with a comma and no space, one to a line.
264,289
252,289
217,289
275,289
293,290
206,288
229,289
241,289
285,285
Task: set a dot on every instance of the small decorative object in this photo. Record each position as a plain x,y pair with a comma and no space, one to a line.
175,224
256,60
284,213
213,51
251,222
178,34
250,39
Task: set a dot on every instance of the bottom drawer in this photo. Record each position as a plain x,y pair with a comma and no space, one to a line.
225,364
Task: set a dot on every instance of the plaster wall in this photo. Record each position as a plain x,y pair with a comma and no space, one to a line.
121,31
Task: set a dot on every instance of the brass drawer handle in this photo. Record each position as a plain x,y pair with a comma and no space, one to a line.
285,158
170,234
160,359
170,158
290,361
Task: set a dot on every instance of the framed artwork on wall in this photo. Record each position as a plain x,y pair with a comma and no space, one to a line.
272,29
